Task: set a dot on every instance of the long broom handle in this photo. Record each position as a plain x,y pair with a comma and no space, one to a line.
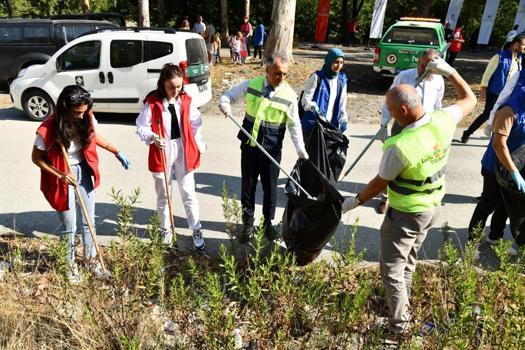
268,155
84,210
384,126
166,182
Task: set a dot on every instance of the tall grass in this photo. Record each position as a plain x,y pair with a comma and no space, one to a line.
156,298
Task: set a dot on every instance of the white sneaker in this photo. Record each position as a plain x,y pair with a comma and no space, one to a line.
492,241
74,277
167,237
96,269
198,240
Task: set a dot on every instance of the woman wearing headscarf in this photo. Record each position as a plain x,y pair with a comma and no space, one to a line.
325,93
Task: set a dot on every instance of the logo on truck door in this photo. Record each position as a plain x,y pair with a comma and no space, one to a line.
79,80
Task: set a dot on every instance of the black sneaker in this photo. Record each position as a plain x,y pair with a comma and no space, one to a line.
465,137
198,240
270,233
244,238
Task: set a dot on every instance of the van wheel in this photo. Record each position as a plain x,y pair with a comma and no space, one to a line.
38,105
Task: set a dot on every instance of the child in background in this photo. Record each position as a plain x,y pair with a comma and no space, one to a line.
244,47
236,48
217,47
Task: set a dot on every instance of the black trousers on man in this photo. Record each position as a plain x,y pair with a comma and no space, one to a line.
491,202
483,117
254,164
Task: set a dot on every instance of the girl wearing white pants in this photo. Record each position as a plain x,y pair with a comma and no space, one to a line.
170,124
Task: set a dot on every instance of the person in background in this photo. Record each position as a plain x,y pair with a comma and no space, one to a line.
185,25
456,44
413,169
325,93
271,107
199,27
247,32
500,67
258,38
352,31
510,36
235,45
171,125
448,32
74,127
209,35
217,48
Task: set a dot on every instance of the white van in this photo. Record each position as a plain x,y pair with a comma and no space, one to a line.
118,67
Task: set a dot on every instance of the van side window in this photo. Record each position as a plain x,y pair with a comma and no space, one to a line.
83,56
10,34
125,53
72,32
156,49
36,35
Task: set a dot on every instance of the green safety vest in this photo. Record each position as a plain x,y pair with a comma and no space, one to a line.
266,118
421,185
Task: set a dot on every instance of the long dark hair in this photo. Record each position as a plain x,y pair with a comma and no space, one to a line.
66,127
168,72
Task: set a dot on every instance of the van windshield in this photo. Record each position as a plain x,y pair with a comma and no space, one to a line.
412,36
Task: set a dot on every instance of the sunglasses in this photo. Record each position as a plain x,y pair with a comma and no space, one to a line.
81,97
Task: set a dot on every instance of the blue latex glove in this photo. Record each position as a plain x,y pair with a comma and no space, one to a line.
343,126
123,160
518,179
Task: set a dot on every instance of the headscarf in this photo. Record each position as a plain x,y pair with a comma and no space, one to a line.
330,57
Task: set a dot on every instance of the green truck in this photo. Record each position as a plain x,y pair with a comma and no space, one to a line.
403,42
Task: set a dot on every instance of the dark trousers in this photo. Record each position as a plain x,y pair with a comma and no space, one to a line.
484,116
490,202
451,57
254,164
257,49
247,41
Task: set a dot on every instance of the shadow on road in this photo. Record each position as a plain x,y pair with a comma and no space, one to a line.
12,114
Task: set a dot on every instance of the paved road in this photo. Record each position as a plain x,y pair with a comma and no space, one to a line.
23,208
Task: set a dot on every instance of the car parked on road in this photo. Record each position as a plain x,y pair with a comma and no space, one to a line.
403,42
24,42
118,67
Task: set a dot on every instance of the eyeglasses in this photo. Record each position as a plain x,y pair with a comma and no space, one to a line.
80,97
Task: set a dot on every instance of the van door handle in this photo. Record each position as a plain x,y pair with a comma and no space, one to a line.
110,77
101,77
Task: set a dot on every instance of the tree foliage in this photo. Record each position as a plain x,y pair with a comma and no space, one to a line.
306,12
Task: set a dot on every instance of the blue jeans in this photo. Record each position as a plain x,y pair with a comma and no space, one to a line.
68,218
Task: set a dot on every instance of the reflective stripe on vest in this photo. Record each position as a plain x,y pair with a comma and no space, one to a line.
421,185
265,118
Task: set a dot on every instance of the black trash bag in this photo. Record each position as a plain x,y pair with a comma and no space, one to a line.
327,147
513,199
309,223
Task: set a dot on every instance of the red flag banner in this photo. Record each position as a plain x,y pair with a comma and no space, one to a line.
321,24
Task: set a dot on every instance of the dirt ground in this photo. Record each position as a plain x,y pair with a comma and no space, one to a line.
365,90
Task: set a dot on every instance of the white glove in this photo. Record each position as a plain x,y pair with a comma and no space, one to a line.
202,147
225,108
314,108
383,133
350,203
302,154
158,141
441,67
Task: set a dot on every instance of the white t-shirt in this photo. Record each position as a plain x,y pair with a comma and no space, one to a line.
74,152
392,164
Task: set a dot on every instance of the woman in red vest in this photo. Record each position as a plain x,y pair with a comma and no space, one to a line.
73,126
169,123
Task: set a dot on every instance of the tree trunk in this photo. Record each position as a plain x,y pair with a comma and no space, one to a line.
162,13
247,8
144,13
280,38
85,6
224,21
344,21
9,6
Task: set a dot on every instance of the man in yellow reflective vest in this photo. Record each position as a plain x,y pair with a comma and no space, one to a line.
413,169
271,107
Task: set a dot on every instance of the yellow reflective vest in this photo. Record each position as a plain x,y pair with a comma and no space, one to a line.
266,118
421,185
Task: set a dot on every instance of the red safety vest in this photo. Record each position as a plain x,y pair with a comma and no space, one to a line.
191,151
55,191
